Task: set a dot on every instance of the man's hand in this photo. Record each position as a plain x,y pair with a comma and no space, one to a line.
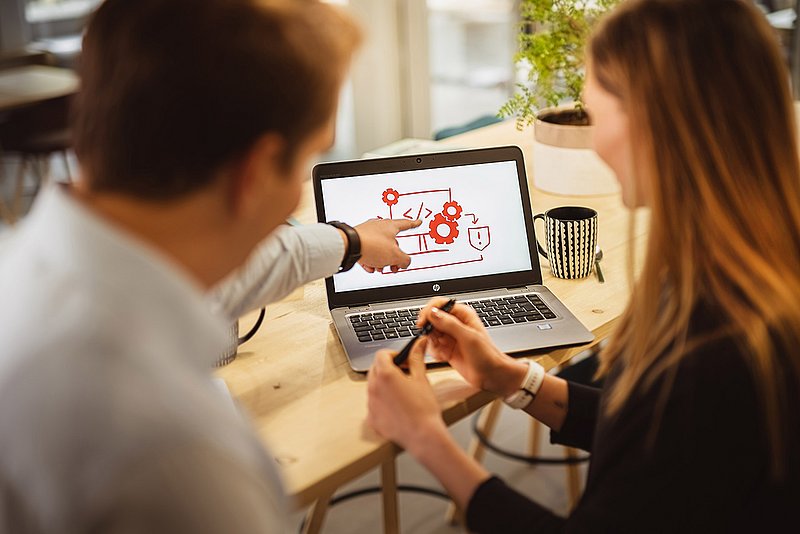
379,247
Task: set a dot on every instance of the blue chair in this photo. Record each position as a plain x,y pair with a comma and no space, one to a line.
480,122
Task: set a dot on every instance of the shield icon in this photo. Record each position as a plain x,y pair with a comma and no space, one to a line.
479,237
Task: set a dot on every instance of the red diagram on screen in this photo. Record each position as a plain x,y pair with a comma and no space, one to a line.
447,232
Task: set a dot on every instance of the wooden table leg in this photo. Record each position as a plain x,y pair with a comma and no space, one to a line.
486,423
534,438
391,517
315,517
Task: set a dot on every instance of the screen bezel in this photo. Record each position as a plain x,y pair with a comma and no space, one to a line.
361,297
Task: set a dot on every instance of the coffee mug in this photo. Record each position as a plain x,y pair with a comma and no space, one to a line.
571,239
234,340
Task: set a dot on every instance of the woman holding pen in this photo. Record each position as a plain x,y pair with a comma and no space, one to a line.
698,426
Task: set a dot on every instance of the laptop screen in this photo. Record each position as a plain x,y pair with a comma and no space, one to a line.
475,220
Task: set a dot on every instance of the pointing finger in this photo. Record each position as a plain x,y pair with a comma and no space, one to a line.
405,224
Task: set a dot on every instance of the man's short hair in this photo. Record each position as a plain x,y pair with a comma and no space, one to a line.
174,90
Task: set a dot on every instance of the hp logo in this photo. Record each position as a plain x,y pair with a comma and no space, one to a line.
436,287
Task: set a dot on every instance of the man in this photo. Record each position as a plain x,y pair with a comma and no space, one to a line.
194,128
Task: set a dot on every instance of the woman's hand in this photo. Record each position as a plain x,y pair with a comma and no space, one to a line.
460,339
403,408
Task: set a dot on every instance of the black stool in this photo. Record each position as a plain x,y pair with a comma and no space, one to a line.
34,134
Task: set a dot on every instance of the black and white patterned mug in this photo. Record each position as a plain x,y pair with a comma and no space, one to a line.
571,239
234,340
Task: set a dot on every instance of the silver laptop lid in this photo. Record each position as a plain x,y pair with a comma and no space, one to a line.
477,230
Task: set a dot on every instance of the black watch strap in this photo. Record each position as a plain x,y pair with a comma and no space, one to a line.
353,252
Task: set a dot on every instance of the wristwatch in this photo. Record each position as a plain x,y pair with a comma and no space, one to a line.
353,252
519,400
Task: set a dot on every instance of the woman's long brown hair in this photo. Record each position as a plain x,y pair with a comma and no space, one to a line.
713,127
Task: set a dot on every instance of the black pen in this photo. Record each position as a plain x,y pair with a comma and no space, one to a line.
425,330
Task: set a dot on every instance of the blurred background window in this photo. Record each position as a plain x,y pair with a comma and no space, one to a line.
428,67
56,26
49,11
471,45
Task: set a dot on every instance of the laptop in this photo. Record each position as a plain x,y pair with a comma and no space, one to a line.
476,244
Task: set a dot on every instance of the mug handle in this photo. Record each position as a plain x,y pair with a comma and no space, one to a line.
542,251
255,328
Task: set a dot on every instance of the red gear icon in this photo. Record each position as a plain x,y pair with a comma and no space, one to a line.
390,197
439,221
451,210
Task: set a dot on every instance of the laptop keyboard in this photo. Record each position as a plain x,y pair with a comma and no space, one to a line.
494,312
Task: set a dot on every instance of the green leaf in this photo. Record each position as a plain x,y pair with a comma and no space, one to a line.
552,40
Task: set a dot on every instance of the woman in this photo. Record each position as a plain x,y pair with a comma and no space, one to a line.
697,427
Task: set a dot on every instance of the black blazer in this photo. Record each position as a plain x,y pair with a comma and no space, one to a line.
706,470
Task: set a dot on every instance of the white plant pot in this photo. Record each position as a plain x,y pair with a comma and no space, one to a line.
564,162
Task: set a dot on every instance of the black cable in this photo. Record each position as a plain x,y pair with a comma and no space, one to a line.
377,489
532,460
253,330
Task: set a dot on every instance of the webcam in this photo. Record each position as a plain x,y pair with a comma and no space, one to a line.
419,160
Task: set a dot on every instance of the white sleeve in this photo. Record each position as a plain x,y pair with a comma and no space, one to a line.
290,257
191,488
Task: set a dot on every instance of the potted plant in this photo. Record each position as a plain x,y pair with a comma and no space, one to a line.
552,44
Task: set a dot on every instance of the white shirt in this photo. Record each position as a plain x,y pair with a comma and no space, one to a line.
108,419
290,257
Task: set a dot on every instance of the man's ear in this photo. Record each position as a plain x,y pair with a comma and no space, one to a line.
254,173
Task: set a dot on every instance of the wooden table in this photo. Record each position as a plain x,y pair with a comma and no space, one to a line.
32,84
310,408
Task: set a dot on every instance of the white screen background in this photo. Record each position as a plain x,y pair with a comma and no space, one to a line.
490,227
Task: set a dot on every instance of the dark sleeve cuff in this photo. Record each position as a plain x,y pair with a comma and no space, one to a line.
578,428
494,507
